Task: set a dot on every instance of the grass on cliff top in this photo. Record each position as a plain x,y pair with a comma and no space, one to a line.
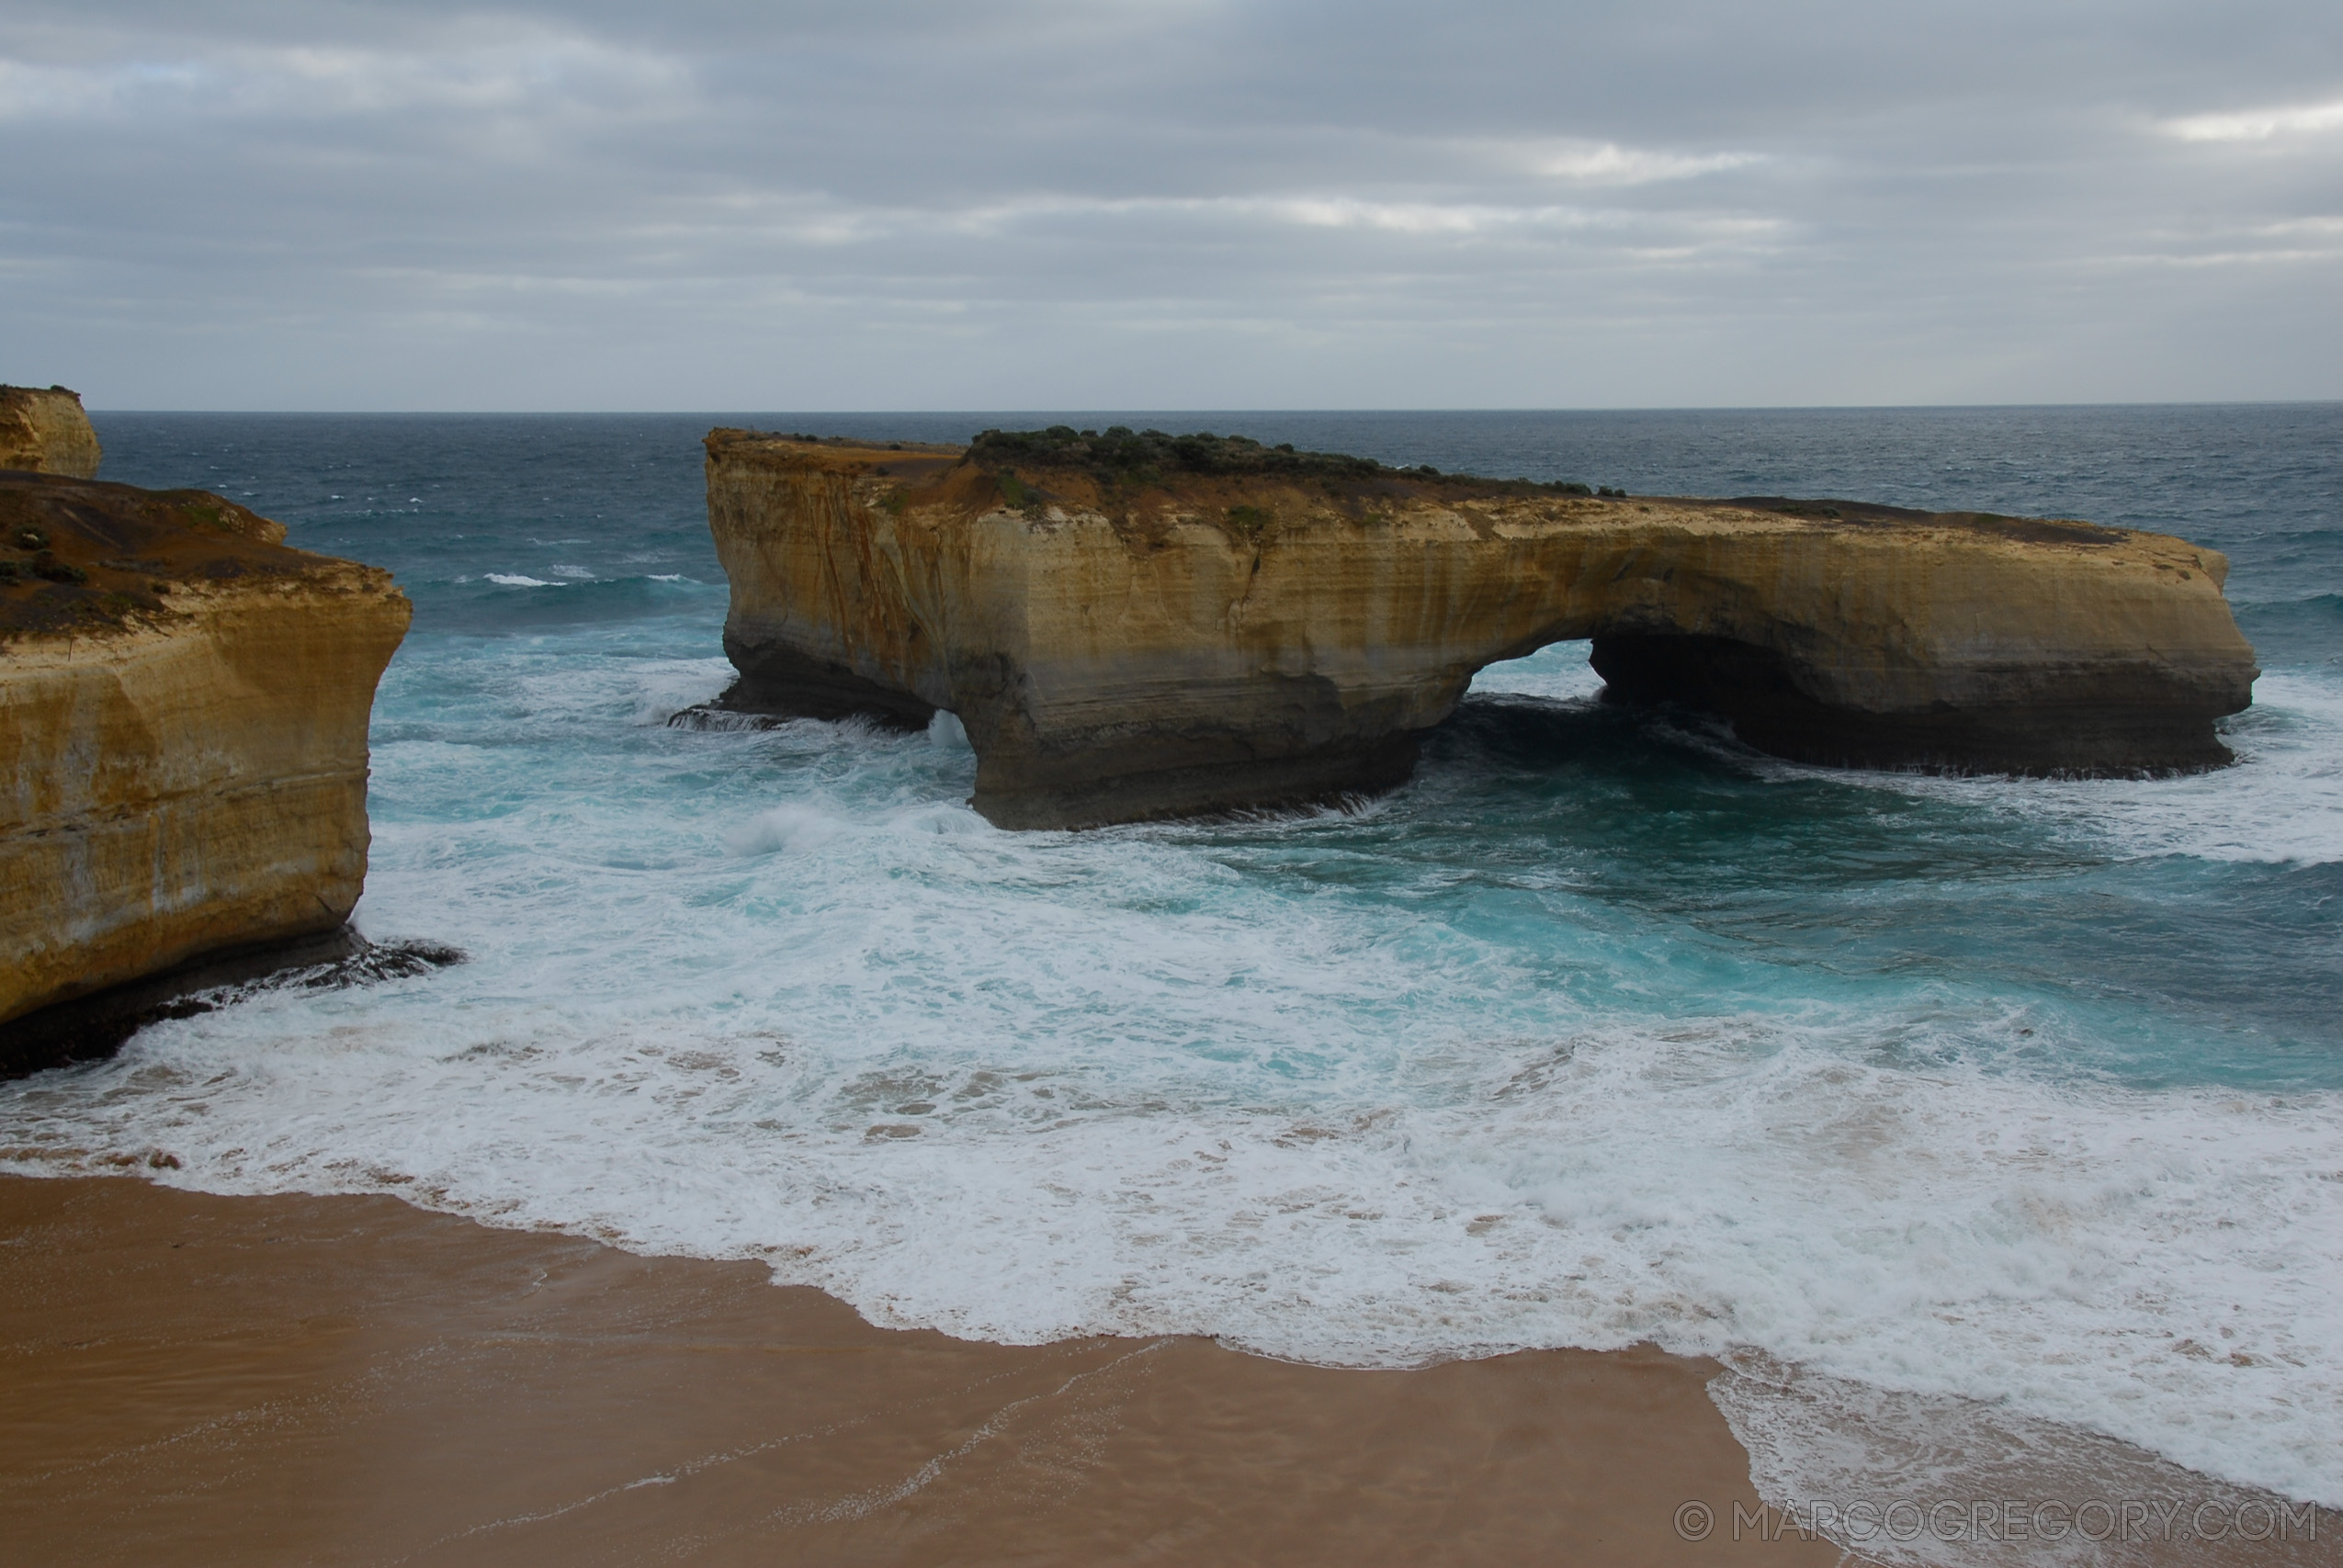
84,556
1122,455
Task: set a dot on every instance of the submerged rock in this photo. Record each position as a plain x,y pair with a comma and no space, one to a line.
45,431
1138,626
183,737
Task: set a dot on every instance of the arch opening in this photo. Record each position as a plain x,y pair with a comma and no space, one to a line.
1749,687
1555,672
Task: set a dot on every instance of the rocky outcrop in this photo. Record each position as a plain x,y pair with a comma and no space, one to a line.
183,705
1136,625
45,431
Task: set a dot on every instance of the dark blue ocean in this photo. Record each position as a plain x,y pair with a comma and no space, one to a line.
1603,1029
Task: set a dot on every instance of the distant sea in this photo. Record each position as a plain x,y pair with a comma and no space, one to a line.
2020,1098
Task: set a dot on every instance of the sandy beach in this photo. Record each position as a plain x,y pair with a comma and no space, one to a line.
197,1380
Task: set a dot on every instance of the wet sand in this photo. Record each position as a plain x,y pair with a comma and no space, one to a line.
192,1380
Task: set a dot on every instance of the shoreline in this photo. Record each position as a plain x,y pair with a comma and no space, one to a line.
200,1378
197,1379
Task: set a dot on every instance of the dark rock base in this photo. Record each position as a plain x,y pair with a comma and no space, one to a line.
779,683
93,1027
2094,734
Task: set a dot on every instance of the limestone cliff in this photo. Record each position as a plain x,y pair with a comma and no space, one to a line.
44,429
183,733
1132,627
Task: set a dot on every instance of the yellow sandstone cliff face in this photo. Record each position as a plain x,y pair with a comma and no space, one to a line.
183,733
1124,644
44,430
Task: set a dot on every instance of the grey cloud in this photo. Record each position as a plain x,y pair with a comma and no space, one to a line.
1168,203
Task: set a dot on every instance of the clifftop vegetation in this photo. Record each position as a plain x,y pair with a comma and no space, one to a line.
1120,455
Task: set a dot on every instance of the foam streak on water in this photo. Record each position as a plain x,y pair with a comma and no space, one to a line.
1603,1030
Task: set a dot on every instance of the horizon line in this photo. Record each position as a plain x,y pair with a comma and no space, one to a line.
1200,409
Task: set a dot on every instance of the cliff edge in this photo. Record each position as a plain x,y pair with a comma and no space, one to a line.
183,705
45,431
1134,625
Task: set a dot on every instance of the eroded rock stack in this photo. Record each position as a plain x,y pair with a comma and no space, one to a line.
43,430
183,705
1133,625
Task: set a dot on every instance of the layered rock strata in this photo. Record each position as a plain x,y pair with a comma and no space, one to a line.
1131,628
183,705
45,431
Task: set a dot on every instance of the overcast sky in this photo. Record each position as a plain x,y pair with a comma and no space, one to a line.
893,204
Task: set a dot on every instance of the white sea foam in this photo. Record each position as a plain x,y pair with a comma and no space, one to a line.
2282,802
515,579
786,830
666,687
1935,1481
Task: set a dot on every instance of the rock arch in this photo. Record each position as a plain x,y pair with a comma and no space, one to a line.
1123,644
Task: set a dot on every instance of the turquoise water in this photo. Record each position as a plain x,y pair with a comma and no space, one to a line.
1603,1029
